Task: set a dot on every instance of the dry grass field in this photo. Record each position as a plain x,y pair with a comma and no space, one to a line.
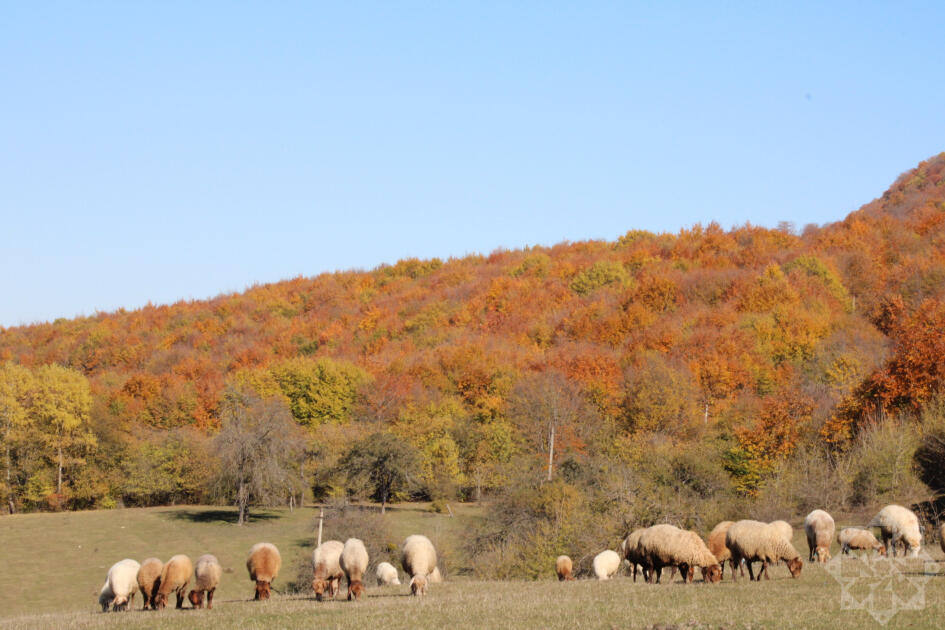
54,565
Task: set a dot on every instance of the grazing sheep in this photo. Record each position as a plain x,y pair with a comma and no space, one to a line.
666,545
328,573
633,554
148,576
175,576
716,544
819,527
354,562
858,538
120,586
563,567
785,529
418,558
207,573
898,525
753,540
263,566
386,574
606,564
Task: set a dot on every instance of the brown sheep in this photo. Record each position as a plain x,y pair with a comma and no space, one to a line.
755,541
716,545
148,576
175,576
263,566
666,545
207,573
563,567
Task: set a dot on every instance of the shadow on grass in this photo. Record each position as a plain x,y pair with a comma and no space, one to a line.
221,516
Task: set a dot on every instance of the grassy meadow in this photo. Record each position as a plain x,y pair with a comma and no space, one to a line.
54,565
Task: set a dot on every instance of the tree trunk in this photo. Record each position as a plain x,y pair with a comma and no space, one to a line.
383,501
241,501
551,451
59,481
10,483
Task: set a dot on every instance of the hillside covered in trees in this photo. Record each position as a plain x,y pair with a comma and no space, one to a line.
672,365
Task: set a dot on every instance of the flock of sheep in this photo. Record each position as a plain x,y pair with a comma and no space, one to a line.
332,560
744,542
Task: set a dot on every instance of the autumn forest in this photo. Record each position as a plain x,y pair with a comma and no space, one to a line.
655,376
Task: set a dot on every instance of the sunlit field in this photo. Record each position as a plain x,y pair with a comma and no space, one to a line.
55,563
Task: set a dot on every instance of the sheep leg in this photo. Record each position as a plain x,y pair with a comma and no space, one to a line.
210,598
751,573
672,573
764,569
180,599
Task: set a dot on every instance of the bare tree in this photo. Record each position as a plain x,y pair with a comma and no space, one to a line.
545,403
259,446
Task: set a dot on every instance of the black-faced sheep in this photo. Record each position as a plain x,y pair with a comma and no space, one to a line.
855,538
820,528
328,573
120,586
354,562
563,568
418,558
716,544
898,525
666,545
753,541
207,574
175,576
386,574
148,576
263,565
606,564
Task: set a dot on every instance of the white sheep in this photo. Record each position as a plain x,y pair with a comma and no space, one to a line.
854,538
666,545
418,558
386,574
120,586
753,541
898,525
606,564
207,574
327,561
354,562
819,528
633,554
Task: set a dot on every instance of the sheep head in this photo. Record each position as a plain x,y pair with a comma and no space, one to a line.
319,585
712,574
159,601
823,554
262,590
795,565
355,589
881,548
418,585
196,598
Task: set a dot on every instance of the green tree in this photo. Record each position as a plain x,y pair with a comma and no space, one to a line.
381,463
320,391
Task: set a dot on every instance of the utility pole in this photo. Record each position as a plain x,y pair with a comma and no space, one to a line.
321,517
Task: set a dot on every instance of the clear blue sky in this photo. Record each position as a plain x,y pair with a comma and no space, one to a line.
177,150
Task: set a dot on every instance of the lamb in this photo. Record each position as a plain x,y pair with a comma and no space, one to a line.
753,540
606,564
633,554
857,538
418,558
207,573
386,574
898,525
354,562
328,573
819,527
563,567
175,576
666,545
120,586
147,578
263,566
